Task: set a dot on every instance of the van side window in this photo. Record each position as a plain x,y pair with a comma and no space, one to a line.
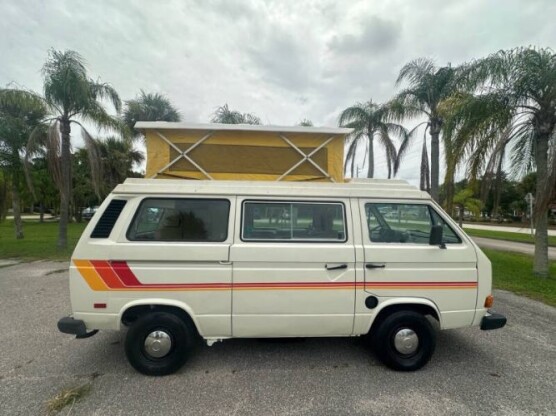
448,235
405,223
180,219
293,221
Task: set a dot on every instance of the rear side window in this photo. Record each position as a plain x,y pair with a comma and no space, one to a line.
405,223
180,219
293,221
104,226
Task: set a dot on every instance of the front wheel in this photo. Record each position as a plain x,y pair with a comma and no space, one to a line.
404,341
158,343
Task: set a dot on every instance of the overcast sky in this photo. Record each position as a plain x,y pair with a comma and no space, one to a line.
281,60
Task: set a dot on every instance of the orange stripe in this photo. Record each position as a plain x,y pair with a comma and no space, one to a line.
90,275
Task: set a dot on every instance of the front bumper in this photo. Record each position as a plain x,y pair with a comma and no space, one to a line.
493,320
69,325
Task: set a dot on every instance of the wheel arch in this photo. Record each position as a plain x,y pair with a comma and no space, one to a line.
420,305
132,310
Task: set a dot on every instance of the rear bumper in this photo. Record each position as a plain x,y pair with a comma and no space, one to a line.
493,320
69,325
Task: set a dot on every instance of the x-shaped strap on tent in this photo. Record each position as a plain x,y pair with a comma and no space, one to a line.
183,154
306,158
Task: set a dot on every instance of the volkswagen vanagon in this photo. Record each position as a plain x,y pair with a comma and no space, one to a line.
174,260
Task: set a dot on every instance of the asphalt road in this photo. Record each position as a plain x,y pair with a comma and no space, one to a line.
511,246
509,371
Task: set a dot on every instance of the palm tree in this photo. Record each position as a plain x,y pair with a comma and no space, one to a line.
370,121
20,113
72,96
428,87
118,158
305,123
226,116
514,110
149,107
465,201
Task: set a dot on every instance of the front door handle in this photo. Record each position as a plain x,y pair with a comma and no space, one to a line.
375,265
338,267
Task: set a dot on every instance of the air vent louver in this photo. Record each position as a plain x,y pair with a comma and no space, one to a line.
108,219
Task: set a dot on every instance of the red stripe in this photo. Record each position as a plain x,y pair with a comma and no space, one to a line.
118,275
125,274
107,274
279,284
421,283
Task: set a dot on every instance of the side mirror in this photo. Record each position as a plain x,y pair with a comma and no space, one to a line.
435,239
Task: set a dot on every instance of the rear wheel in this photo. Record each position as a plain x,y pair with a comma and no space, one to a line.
404,340
158,343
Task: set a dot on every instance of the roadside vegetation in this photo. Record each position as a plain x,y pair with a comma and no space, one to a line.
507,236
513,272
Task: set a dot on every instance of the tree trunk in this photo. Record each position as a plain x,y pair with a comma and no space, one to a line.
41,217
498,187
65,185
3,198
16,205
425,183
540,263
449,187
371,157
461,209
435,158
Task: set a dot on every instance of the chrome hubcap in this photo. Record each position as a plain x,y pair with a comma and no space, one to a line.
158,344
406,341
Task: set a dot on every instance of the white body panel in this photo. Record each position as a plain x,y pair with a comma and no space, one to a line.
237,288
322,310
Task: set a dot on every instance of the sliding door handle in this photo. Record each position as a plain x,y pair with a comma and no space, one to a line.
337,267
375,265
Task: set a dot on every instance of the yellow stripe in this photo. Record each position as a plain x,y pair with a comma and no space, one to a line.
87,270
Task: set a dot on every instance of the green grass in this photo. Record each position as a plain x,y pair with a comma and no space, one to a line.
507,235
39,242
514,272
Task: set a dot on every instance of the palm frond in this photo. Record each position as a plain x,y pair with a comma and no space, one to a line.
106,91
93,154
416,70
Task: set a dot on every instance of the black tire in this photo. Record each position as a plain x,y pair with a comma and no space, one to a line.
181,337
383,340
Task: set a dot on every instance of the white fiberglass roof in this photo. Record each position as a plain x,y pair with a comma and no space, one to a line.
369,188
165,125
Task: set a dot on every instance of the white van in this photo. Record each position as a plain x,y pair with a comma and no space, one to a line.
172,260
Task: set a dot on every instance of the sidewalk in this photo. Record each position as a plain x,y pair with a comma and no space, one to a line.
523,230
513,246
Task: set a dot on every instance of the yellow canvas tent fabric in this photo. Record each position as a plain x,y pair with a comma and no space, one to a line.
234,152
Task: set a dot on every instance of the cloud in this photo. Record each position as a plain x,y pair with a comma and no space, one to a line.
283,60
375,37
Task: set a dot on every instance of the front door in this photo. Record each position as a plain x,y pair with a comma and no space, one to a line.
399,262
293,269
